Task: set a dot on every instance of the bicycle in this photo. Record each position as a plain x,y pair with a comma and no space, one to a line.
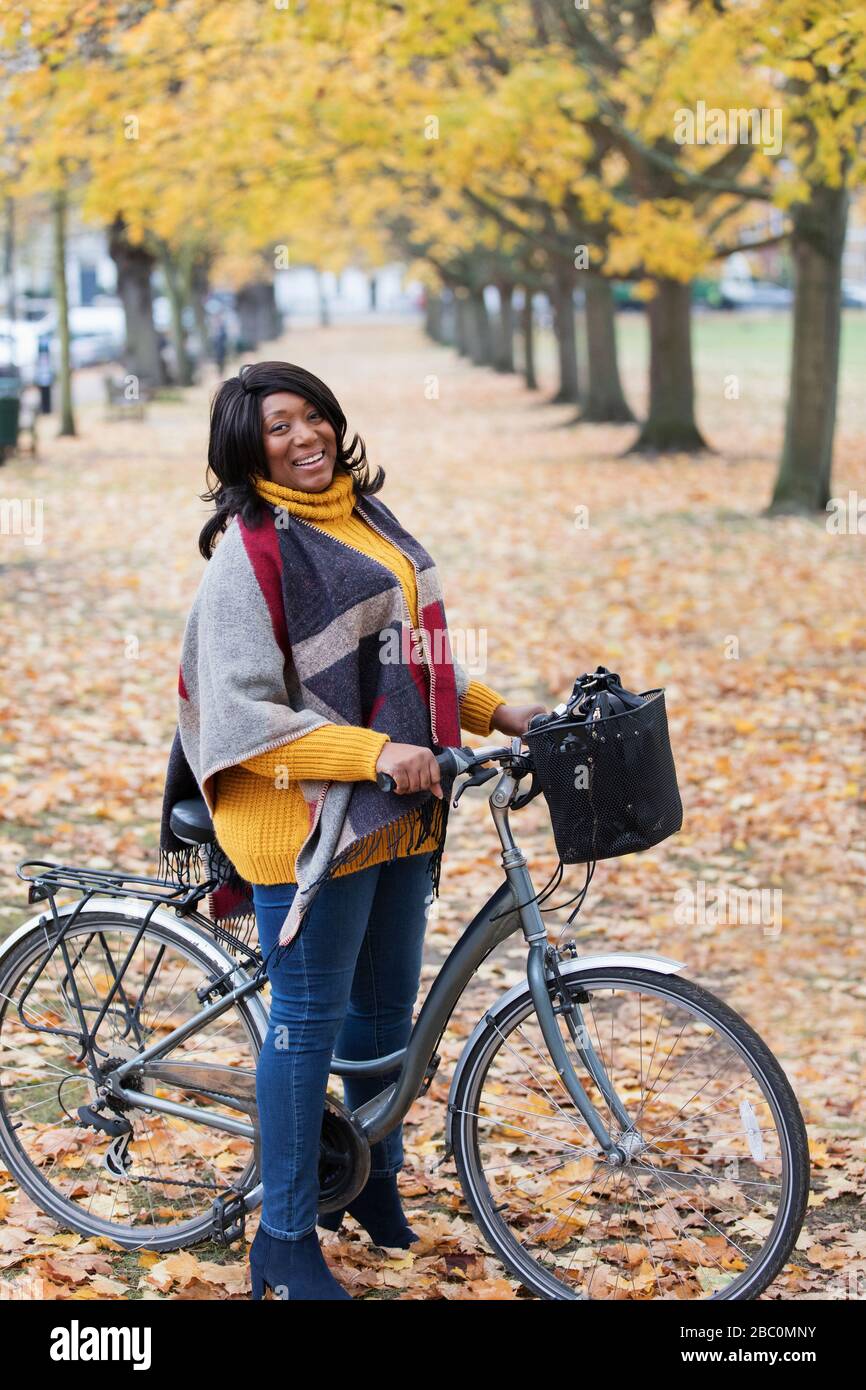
617,1130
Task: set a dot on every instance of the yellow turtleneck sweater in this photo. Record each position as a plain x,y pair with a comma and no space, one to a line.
260,816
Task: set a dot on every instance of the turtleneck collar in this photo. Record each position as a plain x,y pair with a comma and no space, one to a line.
333,503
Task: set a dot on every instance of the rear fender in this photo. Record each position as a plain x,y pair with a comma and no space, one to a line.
184,928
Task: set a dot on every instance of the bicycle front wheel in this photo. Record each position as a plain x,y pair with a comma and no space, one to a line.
707,1194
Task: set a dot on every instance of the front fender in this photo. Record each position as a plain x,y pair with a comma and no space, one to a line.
633,960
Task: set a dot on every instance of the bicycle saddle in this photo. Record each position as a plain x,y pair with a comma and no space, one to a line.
190,821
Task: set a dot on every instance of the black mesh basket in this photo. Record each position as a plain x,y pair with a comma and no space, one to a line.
609,782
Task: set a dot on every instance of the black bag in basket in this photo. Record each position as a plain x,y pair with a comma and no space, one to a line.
604,763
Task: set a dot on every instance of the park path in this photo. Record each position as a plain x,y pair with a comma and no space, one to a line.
557,555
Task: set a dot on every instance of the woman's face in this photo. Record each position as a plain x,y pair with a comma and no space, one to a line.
300,444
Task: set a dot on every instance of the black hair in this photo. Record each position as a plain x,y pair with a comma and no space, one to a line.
236,451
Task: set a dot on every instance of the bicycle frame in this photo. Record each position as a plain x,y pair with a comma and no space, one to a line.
510,908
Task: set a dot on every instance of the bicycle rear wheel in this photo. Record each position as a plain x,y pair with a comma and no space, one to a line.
710,1195
155,1187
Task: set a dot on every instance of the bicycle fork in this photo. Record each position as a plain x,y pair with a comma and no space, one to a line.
541,970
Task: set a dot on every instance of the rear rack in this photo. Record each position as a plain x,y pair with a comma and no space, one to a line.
46,879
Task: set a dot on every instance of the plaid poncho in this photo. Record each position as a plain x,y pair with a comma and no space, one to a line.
291,629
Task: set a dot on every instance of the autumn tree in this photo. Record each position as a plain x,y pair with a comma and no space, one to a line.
820,49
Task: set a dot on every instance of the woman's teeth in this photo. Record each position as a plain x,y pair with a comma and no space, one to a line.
310,460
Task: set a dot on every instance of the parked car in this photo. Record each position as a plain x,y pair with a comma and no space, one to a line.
705,293
97,333
742,292
853,295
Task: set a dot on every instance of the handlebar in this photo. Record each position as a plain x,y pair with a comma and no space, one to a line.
454,761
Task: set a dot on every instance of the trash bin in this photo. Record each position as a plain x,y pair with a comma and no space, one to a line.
10,405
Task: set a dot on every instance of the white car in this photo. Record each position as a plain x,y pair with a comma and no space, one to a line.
97,333
853,294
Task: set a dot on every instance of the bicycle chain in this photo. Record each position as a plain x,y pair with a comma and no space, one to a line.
176,1182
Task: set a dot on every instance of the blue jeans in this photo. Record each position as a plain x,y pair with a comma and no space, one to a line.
348,986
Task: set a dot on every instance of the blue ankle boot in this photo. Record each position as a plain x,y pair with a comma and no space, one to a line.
377,1207
292,1269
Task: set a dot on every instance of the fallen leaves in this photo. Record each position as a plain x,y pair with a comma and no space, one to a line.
677,561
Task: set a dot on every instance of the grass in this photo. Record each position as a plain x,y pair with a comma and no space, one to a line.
753,346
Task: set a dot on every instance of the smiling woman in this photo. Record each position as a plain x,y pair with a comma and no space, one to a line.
288,710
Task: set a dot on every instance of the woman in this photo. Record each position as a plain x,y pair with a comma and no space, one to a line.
297,688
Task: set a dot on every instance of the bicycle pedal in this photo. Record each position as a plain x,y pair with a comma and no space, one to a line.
229,1216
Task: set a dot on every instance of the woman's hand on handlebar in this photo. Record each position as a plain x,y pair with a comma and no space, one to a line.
514,719
413,768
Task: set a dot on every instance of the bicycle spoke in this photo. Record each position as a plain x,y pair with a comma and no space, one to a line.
176,1166
529,1132
565,1115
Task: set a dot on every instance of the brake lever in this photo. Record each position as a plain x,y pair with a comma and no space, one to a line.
476,779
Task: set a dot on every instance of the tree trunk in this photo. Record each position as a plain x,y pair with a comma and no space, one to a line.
605,403
374,294
258,314
142,357
171,275
269,318
461,324
195,283
271,312
9,258
504,356
447,317
481,341
670,425
61,299
527,331
803,484
564,327
324,311
433,316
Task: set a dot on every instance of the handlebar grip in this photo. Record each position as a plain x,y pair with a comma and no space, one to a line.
448,760
537,720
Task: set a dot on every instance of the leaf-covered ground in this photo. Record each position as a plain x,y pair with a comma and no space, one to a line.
671,576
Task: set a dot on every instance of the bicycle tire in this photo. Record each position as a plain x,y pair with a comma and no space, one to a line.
483,1047
27,1174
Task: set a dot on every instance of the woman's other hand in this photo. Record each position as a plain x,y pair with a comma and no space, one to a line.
514,719
413,768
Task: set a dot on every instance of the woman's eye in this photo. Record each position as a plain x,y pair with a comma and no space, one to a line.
314,414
